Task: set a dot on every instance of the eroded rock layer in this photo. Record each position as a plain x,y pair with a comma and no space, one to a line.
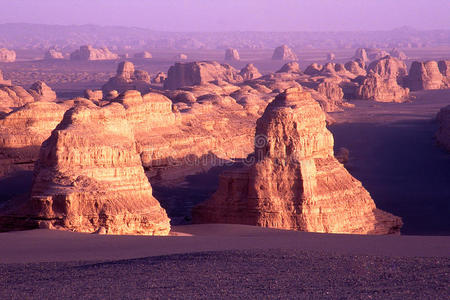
89,177
294,181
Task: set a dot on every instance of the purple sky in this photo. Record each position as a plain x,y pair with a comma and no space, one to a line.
234,15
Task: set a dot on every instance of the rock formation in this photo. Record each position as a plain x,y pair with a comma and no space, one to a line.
195,73
444,68
443,134
284,53
160,77
356,67
143,55
23,130
95,95
382,81
398,54
361,54
331,56
127,78
3,81
89,177
42,92
181,56
7,55
290,67
232,54
53,54
313,69
90,53
13,96
249,72
293,181
425,76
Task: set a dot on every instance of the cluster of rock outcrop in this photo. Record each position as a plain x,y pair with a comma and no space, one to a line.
127,78
293,180
383,81
143,55
91,53
429,75
7,55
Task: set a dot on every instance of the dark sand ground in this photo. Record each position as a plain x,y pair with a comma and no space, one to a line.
223,261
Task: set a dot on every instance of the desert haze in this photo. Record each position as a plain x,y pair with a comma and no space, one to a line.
225,149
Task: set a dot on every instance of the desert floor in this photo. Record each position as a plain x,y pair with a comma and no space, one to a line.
222,261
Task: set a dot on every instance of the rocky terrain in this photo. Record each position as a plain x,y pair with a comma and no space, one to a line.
429,75
293,180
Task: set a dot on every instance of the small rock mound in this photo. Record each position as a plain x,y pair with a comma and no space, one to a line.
290,67
127,78
42,92
53,54
250,72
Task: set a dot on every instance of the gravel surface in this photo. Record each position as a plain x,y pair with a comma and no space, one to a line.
268,274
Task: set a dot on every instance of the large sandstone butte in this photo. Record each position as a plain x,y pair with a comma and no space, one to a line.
195,73
232,54
89,177
53,54
284,53
7,55
294,181
443,134
91,53
425,76
383,81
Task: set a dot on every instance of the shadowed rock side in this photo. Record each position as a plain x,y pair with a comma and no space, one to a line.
91,53
383,81
89,177
295,181
284,53
42,92
443,134
249,72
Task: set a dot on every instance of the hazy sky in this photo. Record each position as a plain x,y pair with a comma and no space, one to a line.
234,15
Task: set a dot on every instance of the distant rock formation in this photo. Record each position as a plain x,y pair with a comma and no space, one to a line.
143,55
443,134
127,78
398,54
284,53
195,73
331,90
160,77
425,76
181,56
331,56
90,53
42,92
293,180
232,54
53,54
361,54
313,69
249,72
290,67
95,95
7,55
382,81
